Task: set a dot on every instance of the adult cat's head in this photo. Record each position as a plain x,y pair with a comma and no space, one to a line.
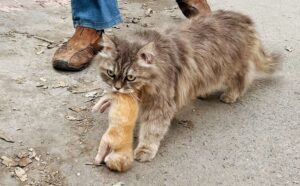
127,66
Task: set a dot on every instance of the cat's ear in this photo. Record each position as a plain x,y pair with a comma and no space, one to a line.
107,46
147,53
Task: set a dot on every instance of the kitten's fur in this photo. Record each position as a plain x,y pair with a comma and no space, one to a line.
172,67
115,148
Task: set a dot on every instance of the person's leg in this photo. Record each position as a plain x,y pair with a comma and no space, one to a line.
192,8
90,18
96,14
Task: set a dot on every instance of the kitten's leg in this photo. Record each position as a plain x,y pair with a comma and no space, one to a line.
236,87
151,133
232,93
103,150
102,104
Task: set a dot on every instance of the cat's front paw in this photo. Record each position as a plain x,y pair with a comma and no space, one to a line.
118,162
98,160
144,153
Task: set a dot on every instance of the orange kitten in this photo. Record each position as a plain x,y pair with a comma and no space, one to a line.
116,144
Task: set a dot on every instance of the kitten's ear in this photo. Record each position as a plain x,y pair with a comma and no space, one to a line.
147,53
107,46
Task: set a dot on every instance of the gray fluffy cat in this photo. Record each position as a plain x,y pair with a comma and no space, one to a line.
168,69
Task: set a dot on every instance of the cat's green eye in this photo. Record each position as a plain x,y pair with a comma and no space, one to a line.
110,73
130,77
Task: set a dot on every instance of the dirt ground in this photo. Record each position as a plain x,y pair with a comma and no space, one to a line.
255,141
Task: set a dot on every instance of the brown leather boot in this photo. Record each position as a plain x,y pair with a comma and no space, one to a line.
77,53
191,8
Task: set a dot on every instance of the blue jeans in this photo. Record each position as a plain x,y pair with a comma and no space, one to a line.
96,14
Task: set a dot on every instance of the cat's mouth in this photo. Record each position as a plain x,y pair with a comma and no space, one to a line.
122,90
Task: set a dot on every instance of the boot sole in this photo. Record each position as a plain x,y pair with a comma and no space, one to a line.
64,66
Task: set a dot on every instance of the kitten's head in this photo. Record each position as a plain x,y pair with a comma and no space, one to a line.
126,67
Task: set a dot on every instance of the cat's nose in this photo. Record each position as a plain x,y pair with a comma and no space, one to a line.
118,85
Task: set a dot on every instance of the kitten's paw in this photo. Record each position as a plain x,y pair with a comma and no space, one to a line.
144,153
225,98
204,96
98,160
118,162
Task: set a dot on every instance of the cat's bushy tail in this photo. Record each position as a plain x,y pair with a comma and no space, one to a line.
267,63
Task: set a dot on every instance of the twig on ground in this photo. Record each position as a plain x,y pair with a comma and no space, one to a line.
43,39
